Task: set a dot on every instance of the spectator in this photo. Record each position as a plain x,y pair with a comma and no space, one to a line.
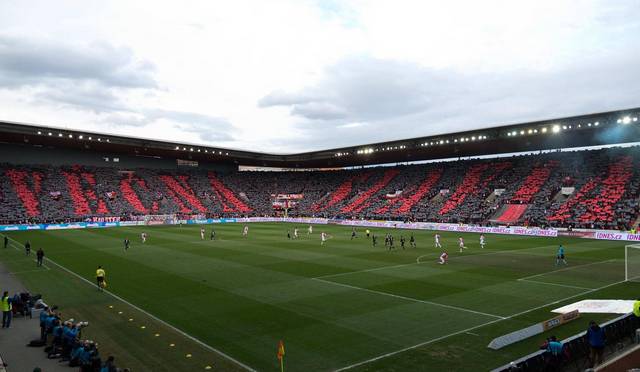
555,355
5,302
109,365
596,338
43,317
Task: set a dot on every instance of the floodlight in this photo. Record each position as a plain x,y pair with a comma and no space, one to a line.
626,120
80,137
555,128
39,132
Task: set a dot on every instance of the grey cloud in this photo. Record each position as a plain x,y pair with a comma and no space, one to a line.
281,98
33,62
365,89
399,100
319,110
208,128
82,96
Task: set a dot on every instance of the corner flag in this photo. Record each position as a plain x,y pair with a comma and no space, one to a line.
281,355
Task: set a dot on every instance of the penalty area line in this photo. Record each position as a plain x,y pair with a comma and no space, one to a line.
192,338
553,284
475,327
568,268
410,299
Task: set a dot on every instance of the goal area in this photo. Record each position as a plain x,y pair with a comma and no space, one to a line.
632,263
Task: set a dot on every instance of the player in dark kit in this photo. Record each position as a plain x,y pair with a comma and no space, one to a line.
40,255
126,244
374,239
353,233
213,235
27,248
412,241
288,235
402,241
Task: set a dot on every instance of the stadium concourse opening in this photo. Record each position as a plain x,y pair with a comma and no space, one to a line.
202,271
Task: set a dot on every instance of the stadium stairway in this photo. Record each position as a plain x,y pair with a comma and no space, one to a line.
359,203
225,194
130,196
424,188
565,209
97,203
26,195
601,207
532,184
179,186
512,213
80,203
337,196
468,186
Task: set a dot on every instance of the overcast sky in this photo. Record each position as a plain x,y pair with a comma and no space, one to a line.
287,76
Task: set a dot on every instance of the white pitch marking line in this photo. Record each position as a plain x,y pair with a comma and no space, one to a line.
567,268
409,298
201,343
554,284
425,255
475,327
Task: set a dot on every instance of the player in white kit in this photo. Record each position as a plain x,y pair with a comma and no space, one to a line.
461,244
481,240
143,236
323,238
437,241
295,233
202,233
444,257
245,231
310,230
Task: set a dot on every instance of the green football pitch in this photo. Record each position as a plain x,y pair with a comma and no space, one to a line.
179,303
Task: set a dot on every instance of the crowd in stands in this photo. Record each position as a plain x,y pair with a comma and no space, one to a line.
60,339
585,189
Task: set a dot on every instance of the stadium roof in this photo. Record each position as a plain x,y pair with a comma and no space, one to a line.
604,128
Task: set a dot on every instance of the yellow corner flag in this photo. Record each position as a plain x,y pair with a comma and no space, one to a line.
281,355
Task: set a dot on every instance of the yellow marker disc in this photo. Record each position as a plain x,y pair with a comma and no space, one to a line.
208,367
188,355
142,327
119,312
172,345
110,306
157,335
131,319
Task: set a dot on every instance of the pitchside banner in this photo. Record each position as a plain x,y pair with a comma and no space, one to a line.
536,329
451,227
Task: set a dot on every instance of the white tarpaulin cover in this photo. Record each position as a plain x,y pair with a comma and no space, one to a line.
598,306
